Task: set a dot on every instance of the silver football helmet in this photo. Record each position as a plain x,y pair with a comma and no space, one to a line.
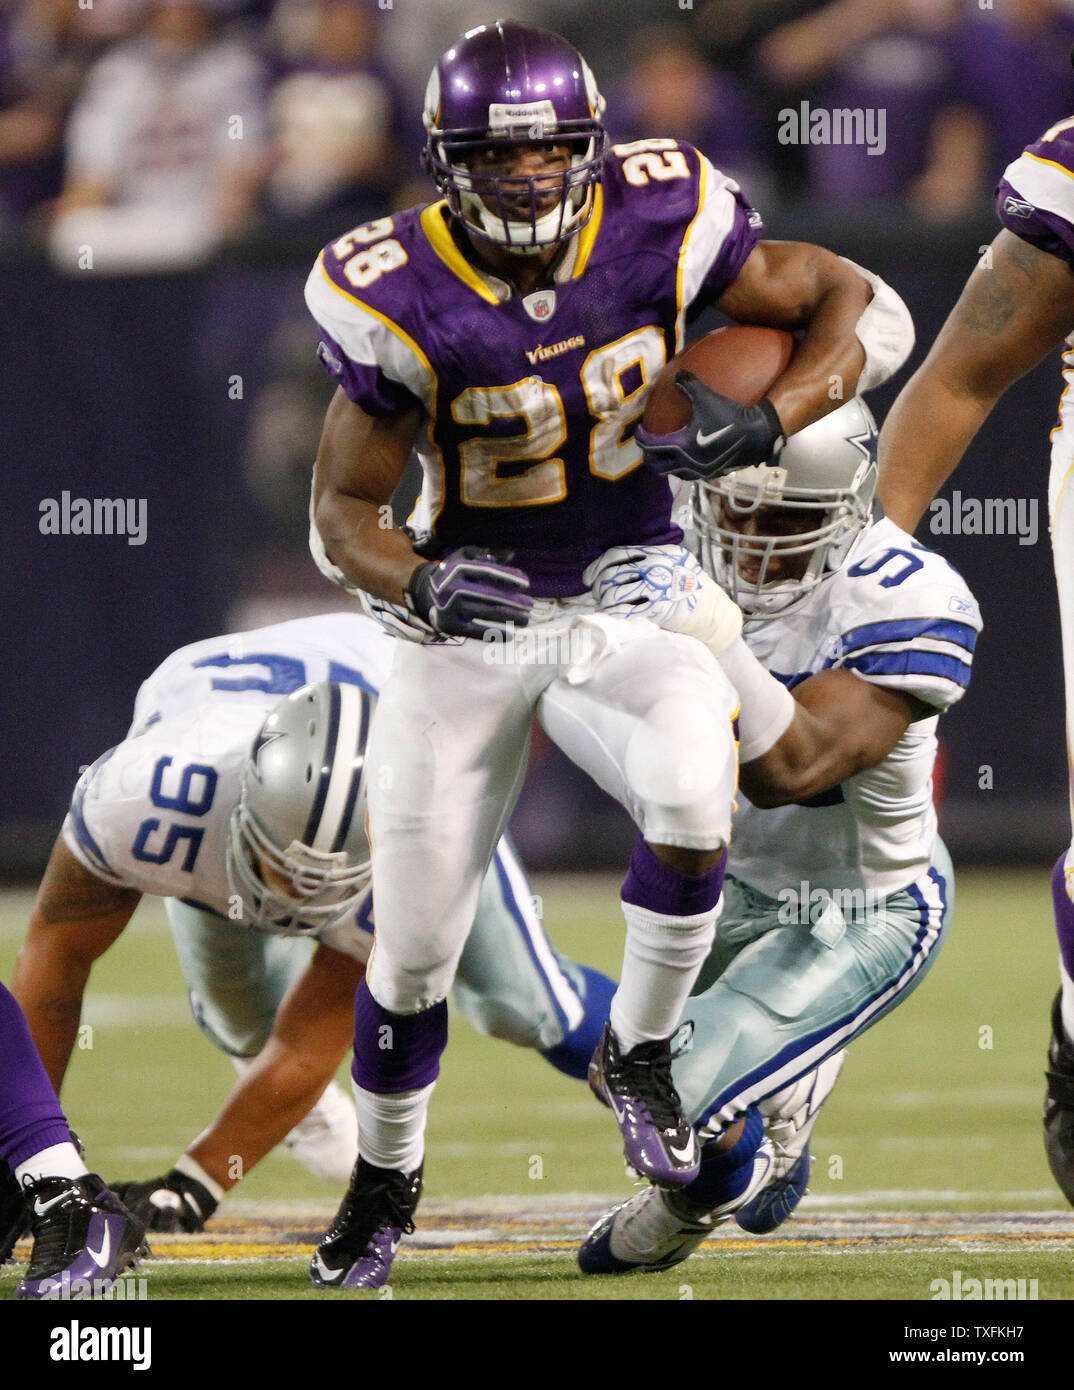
770,534
298,855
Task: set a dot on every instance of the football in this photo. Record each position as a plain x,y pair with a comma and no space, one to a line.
740,362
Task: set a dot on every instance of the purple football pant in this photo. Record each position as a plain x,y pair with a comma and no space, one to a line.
30,1115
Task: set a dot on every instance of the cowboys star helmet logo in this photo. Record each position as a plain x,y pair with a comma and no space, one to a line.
540,305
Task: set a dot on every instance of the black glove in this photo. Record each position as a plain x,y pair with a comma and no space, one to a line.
719,437
173,1203
468,592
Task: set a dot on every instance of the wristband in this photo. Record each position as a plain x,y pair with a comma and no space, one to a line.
767,705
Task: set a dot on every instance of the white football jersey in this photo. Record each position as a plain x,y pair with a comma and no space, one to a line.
153,812
897,615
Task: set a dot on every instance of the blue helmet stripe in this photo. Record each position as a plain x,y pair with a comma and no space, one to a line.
356,777
317,810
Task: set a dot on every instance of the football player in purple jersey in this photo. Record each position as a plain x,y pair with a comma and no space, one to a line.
1017,306
84,1237
510,333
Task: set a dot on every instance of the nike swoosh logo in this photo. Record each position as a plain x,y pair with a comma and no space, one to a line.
41,1207
322,1269
616,1111
394,1246
100,1257
684,1155
703,439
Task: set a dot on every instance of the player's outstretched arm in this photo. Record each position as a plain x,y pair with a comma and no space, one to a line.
76,917
840,725
1017,306
313,1031
791,284
360,462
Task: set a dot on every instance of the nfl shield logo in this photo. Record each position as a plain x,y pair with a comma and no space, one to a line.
541,305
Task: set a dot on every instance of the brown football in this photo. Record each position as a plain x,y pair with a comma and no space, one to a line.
740,362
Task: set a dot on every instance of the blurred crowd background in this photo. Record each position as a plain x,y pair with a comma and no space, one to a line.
169,127
168,172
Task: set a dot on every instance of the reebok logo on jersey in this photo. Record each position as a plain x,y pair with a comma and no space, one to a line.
542,354
1017,207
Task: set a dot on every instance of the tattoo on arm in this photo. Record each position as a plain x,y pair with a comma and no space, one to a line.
987,308
70,893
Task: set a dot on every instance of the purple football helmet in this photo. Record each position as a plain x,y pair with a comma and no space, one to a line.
508,84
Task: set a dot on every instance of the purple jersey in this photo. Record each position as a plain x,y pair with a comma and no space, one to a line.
531,401
1035,196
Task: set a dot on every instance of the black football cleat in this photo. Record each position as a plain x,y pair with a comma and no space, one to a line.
658,1141
1059,1105
14,1222
357,1250
84,1237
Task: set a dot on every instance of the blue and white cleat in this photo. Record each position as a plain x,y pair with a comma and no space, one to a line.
659,1142
357,1250
789,1118
656,1229
84,1238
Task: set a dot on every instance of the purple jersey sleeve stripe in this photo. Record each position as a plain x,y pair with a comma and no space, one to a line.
1044,230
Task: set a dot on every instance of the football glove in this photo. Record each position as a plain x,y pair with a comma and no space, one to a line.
468,592
659,582
172,1203
719,436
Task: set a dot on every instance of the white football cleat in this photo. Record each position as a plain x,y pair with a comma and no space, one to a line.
658,1228
326,1141
789,1117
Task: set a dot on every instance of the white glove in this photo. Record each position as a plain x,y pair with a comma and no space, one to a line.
665,584
658,582
397,620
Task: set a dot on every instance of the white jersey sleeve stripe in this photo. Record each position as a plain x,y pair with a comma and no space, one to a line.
713,222
1047,186
369,338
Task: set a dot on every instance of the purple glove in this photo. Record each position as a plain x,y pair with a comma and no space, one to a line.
468,592
719,437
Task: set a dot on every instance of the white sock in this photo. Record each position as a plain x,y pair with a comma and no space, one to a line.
661,961
1066,1006
59,1161
391,1129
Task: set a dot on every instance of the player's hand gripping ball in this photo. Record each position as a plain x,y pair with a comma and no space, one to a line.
719,436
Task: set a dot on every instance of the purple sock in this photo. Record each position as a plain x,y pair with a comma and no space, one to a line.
1064,914
30,1115
396,1052
652,885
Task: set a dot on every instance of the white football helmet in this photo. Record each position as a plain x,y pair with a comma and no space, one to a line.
770,533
